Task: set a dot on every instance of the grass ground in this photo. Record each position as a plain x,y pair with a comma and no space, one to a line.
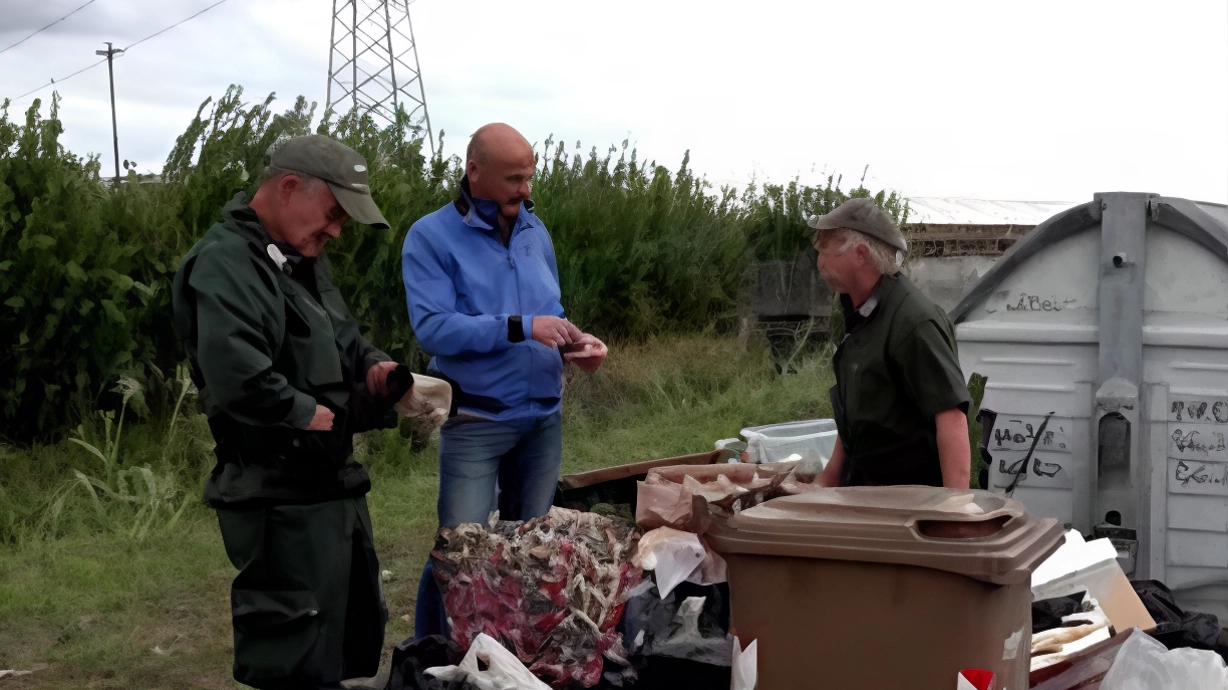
90,606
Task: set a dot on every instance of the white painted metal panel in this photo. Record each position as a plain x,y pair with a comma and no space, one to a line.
1034,329
1058,286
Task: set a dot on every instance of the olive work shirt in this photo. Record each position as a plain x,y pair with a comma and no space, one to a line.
268,338
896,369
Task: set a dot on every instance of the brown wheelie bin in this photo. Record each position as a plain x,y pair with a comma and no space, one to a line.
885,587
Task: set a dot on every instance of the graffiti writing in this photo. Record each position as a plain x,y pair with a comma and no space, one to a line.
1045,469
1019,434
1188,442
1186,474
1013,468
1199,411
1005,435
1037,303
1040,468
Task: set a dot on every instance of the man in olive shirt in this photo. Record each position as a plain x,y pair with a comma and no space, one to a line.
286,379
900,401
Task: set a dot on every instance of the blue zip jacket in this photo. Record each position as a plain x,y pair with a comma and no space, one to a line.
462,285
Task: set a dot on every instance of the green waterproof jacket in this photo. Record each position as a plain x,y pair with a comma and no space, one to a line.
267,343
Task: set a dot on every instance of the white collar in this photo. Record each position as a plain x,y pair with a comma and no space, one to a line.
868,308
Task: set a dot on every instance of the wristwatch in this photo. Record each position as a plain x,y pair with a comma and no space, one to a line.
515,328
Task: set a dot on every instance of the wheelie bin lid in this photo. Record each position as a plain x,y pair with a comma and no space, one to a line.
970,532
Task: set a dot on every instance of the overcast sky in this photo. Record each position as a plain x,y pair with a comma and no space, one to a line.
1037,100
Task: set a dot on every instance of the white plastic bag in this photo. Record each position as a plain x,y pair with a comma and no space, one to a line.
672,554
504,671
745,666
1144,664
429,397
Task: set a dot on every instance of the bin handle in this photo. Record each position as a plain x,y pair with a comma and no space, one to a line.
960,529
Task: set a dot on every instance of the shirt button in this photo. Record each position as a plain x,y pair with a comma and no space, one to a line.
297,443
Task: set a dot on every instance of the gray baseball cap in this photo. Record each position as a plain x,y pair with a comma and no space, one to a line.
340,166
865,217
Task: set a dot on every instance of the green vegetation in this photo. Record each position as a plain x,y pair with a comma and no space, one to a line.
102,608
112,574
87,265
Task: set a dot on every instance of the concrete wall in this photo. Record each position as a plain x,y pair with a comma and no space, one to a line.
793,288
944,278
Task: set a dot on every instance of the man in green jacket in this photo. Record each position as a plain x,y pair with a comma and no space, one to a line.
286,379
900,400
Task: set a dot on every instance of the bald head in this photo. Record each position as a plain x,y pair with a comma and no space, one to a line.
496,139
499,164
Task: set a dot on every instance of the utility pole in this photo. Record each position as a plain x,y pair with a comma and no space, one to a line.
373,63
111,53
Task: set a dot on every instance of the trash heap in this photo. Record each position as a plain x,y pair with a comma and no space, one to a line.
552,590
687,498
1088,623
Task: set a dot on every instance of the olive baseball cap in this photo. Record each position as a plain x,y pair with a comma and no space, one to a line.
340,166
865,217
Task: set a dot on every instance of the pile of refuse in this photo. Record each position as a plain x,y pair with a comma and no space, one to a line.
1088,623
587,598
551,589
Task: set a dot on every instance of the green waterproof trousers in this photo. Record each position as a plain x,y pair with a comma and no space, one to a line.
307,605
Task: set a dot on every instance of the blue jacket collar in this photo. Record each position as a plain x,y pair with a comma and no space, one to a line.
481,213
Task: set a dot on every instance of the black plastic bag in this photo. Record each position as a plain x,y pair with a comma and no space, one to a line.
1048,613
412,658
1175,627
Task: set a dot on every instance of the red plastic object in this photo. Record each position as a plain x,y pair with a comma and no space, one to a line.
975,679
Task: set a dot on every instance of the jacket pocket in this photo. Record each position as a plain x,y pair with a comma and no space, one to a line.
545,372
275,632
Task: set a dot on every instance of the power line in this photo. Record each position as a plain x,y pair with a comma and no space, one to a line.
83,69
62,79
5,50
156,33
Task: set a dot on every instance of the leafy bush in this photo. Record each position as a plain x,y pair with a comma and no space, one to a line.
86,264
76,289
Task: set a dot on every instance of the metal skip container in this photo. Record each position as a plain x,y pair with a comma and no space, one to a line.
885,587
1103,334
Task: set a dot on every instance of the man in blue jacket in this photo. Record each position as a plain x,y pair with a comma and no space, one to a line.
482,286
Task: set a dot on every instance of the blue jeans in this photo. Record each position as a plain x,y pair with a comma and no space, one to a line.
510,466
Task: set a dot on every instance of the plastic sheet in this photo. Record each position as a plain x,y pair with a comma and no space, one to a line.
1144,664
672,554
412,658
488,666
713,570
1048,613
745,665
695,629
686,641
429,397
1176,627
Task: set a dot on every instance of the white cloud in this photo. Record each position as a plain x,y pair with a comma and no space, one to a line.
1043,100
